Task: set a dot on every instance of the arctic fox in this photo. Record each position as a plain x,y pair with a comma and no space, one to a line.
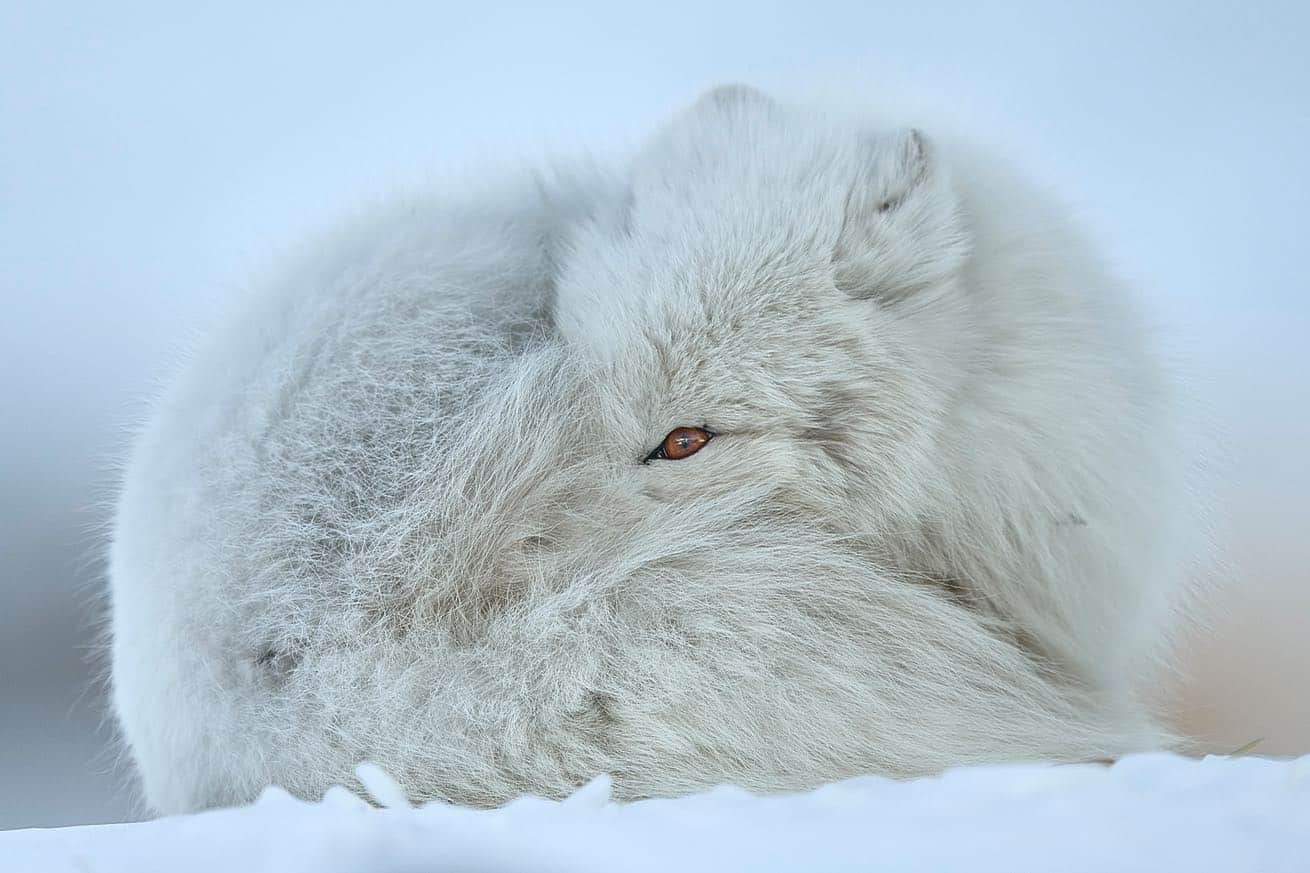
792,449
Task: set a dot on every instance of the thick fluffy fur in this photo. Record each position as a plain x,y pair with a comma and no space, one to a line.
396,510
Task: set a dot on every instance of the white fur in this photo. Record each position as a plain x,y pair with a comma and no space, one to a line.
396,510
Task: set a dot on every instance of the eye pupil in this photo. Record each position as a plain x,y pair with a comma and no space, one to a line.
682,442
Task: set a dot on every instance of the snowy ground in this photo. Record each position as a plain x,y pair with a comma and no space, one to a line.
1147,812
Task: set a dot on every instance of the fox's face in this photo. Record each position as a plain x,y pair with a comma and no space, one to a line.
789,295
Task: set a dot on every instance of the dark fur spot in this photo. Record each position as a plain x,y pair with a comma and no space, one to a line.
535,543
275,664
596,719
957,590
832,431
833,445
603,706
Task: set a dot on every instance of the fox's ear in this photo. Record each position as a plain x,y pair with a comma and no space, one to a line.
707,150
901,229
714,129
727,102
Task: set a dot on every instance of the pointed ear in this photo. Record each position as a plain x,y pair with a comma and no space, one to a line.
705,145
901,229
727,101
721,113
720,116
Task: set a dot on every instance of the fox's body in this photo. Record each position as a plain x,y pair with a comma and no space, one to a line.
400,509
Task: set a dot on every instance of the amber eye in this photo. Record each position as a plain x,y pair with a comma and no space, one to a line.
682,442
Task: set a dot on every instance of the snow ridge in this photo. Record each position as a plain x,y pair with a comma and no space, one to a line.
1155,812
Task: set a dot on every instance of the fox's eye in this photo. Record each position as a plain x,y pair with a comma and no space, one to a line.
682,442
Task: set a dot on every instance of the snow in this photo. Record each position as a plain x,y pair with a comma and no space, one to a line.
1147,812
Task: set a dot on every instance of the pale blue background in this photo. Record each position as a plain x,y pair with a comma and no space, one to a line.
152,157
